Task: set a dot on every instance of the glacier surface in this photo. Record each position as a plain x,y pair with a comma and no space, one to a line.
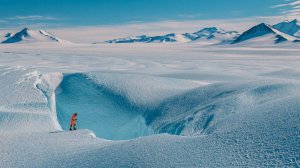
147,105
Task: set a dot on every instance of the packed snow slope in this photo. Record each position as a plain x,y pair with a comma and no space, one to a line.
176,106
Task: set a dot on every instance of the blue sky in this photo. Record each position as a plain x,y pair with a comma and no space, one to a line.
62,13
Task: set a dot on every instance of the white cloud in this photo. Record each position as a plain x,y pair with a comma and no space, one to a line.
296,2
293,3
32,18
279,6
290,9
28,21
190,16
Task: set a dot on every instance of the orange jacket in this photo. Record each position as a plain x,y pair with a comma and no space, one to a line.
73,120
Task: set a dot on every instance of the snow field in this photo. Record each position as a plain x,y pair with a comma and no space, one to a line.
203,107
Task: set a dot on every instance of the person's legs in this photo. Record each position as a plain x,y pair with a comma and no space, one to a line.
71,127
75,127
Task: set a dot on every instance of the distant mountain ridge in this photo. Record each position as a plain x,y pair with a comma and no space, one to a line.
286,31
150,39
210,33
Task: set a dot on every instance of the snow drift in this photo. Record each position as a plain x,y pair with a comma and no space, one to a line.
23,107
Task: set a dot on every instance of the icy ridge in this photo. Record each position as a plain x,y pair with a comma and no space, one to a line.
48,83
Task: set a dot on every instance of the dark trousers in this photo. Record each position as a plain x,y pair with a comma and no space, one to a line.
73,126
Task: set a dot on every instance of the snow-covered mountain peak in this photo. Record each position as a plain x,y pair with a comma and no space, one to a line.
7,35
211,30
259,32
208,30
51,36
289,27
216,34
29,35
292,22
295,21
262,26
24,32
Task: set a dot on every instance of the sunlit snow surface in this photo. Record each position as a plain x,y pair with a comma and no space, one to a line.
199,106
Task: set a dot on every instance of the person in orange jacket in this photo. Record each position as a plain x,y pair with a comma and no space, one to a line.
73,122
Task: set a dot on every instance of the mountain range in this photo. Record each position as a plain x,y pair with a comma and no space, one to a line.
210,34
283,32
261,33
